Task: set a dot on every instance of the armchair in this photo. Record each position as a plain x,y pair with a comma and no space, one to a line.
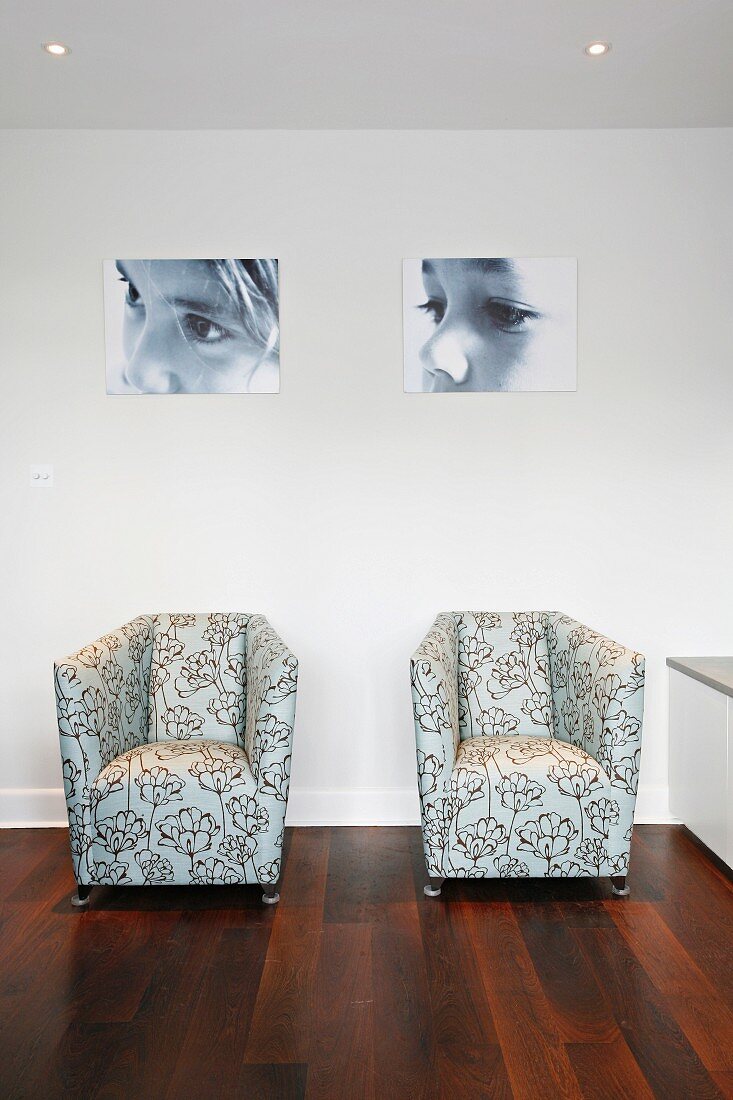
528,735
176,737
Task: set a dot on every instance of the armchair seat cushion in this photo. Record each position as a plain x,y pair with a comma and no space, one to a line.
530,806
175,811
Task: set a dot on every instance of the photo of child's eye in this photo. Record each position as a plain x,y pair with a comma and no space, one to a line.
192,326
473,325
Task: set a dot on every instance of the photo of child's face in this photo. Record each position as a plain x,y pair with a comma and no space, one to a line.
489,324
192,326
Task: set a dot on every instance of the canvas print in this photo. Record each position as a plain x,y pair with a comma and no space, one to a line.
192,326
477,325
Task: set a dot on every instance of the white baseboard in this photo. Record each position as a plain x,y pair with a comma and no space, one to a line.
44,808
358,806
652,807
32,808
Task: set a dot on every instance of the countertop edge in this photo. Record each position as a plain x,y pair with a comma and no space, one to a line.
679,665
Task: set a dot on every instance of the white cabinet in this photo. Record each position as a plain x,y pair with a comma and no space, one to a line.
701,749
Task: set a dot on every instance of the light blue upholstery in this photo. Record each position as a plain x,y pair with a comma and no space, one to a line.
197,676
176,737
504,659
528,730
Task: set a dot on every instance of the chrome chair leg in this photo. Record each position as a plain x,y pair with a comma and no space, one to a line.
619,889
81,898
270,895
432,890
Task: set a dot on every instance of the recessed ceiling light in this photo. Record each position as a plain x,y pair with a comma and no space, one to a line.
597,49
56,49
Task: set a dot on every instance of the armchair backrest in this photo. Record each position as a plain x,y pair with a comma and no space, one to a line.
598,696
542,674
197,677
504,674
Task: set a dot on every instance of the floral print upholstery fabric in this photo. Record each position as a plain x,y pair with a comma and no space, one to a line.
553,798
434,673
197,805
197,677
504,674
529,804
180,808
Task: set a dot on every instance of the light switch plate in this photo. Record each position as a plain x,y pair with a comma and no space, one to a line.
41,476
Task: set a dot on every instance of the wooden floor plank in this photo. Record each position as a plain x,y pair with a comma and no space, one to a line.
21,850
45,877
356,985
341,1057
36,978
404,1054
214,1044
724,1081
80,1064
659,952
707,1025
468,1057
697,908
285,1003
656,1041
286,999
704,1016
303,881
535,1057
578,1004
166,1008
268,1082
608,1071
369,870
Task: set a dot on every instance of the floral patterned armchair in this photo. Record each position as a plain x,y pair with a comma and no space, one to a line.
176,735
528,730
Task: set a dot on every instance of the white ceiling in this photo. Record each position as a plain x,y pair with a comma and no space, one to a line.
442,64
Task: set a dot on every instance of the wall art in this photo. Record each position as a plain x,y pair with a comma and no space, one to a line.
192,326
477,325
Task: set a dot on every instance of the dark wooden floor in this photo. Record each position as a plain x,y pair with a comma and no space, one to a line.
356,986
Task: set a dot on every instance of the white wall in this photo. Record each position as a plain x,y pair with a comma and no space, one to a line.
345,510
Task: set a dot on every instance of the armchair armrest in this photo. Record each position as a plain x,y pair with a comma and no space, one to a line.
434,678
102,711
271,683
598,702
